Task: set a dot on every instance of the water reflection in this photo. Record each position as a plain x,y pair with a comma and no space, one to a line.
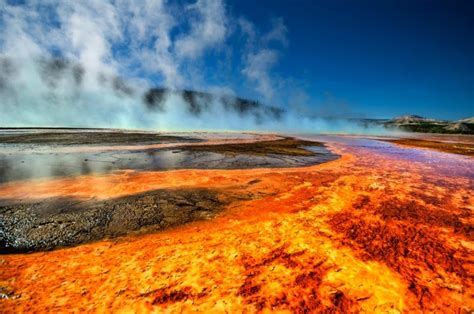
18,163
447,164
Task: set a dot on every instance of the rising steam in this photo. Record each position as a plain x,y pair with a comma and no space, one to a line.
98,64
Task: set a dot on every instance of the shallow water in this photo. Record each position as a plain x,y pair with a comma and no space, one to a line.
447,164
20,162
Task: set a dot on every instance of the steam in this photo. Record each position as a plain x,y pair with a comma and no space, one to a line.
98,64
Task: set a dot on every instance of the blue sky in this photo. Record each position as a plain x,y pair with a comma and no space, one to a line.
383,58
374,59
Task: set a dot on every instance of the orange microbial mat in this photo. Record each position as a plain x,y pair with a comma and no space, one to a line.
383,229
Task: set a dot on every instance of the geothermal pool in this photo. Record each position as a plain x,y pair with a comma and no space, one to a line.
38,155
238,223
65,220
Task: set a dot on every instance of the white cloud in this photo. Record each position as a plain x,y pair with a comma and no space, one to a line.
257,69
148,25
208,28
15,36
278,33
157,37
248,29
260,59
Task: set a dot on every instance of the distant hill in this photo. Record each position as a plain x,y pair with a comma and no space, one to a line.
468,120
414,123
199,102
410,119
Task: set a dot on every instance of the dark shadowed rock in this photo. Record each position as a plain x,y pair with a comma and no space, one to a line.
59,222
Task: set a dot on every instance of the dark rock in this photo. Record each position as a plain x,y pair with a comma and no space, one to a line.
53,223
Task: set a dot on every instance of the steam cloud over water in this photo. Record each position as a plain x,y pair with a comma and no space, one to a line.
134,64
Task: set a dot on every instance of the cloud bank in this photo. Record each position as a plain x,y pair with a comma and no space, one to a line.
97,64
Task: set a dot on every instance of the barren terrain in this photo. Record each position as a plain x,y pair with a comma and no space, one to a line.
383,228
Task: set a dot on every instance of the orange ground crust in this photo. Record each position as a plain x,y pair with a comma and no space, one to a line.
447,147
357,234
